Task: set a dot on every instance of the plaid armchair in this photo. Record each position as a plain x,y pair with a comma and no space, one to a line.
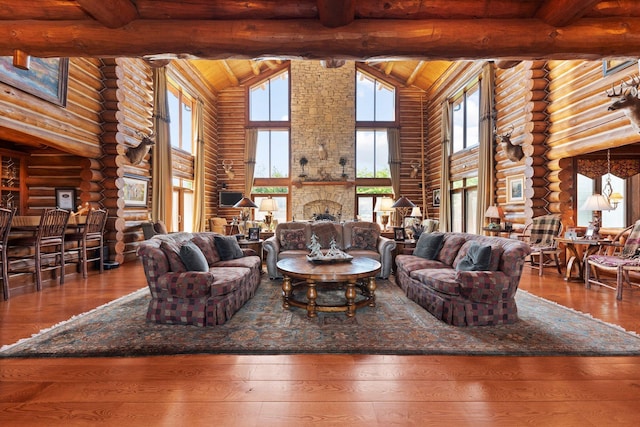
541,234
620,265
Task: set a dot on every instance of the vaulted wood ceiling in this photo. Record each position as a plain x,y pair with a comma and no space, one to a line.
411,41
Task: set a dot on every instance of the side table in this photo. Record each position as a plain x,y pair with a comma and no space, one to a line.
402,247
256,245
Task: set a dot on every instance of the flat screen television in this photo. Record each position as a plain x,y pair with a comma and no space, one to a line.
229,198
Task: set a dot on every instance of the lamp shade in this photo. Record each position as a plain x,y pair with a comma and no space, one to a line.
417,212
268,205
596,202
403,202
245,202
493,211
383,204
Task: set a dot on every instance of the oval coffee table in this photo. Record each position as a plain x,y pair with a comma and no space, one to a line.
359,273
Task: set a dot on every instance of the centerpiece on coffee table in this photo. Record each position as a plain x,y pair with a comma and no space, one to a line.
331,256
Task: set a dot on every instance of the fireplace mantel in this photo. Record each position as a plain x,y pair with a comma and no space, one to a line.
347,184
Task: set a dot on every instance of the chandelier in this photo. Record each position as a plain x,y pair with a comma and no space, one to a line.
613,197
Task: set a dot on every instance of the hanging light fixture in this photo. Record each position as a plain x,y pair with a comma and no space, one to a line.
613,197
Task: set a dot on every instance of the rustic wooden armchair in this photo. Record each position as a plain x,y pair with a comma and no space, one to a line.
541,234
6,215
617,262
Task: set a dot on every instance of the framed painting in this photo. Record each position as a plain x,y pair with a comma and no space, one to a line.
399,234
135,190
436,198
66,199
515,189
46,78
254,233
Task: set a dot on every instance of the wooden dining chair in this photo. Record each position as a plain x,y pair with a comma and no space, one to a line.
541,234
6,215
90,239
45,248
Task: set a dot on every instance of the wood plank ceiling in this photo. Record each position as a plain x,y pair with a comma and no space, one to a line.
413,42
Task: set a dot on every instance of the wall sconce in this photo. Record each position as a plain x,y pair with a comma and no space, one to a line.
342,162
21,59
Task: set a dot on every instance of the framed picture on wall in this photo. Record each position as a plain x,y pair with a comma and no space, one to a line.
515,189
46,78
135,190
436,197
66,199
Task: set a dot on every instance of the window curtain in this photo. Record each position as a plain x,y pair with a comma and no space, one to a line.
198,185
445,202
162,188
486,184
393,139
250,160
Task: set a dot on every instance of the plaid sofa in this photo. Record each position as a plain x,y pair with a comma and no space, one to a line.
196,298
357,238
465,298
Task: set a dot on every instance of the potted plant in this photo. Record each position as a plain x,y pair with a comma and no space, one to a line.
343,162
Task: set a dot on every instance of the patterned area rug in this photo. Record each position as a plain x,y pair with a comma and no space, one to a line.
395,326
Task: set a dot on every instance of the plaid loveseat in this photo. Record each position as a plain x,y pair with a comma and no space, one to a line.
196,298
465,298
357,238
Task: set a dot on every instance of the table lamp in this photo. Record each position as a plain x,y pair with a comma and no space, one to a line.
596,203
245,204
268,205
403,206
383,205
494,212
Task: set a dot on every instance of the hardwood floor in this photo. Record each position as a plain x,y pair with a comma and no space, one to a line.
301,390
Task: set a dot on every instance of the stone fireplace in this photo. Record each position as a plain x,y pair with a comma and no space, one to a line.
322,131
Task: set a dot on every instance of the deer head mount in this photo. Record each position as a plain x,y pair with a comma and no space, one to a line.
137,154
514,152
228,168
415,168
628,101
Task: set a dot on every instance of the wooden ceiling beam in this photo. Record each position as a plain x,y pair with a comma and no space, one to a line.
336,13
416,72
230,74
110,13
560,13
589,38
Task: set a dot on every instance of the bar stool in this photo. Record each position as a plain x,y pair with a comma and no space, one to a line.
6,215
91,235
47,244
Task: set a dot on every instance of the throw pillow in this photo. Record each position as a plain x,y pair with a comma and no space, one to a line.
228,247
364,238
291,240
477,258
160,227
429,245
172,251
193,258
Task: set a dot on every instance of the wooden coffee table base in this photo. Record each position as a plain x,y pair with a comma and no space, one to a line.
367,288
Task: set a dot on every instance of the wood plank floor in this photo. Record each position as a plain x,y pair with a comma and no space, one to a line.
318,390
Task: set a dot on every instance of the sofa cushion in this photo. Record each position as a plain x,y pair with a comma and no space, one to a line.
326,231
171,250
293,239
442,280
477,258
450,248
228,247
429,245
364,238
193,258
207,244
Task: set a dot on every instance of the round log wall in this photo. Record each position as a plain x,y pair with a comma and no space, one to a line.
520,103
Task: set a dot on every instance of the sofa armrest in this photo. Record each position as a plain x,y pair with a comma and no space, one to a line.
187,284
271,248
386,247
482,286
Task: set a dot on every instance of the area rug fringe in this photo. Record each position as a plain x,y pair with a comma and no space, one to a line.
128,297
611,325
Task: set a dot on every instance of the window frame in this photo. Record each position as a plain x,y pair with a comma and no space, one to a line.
181,94
463,95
